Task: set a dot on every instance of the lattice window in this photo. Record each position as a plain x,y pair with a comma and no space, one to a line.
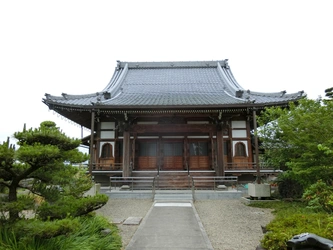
173,149
240,149
147,148
198,148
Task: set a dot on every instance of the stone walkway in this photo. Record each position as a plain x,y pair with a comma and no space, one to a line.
170,225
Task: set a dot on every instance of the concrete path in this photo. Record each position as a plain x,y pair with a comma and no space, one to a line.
170,225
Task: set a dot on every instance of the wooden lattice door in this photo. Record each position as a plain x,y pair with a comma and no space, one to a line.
172,156
147,155
199,155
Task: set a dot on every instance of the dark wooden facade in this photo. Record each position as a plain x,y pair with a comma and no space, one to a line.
175,143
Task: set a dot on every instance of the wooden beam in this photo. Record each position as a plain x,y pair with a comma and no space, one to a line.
174,128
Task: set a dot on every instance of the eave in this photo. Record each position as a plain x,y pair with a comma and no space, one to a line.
82,114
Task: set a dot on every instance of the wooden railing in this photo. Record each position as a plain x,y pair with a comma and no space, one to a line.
246,165
240,165
108,167
228,166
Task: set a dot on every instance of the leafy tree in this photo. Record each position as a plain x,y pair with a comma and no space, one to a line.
42,164
329,93
291,139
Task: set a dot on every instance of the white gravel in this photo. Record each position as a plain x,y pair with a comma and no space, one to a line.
229,224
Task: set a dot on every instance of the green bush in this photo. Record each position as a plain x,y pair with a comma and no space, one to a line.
23,202
69,206
89,236
285,226
289,187
275,241
83,233
319,197
45,229
292,218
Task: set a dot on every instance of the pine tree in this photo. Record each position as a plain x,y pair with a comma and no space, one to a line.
329,93
43,164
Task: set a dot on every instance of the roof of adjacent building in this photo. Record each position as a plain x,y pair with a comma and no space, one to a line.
200,84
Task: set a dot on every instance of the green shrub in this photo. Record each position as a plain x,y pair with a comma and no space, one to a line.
288,224
83,233
89,236
24,202
69,206
275,241
45,229
289,187
292,218
10,240
319,197
329,228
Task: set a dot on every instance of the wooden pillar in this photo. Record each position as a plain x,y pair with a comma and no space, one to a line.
256,144
219,153
126,156
185,155
133,152
212,146
159,155
91,144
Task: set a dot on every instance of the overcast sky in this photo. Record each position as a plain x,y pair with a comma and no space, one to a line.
72,47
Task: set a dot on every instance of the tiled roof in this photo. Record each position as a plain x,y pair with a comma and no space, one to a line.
172,84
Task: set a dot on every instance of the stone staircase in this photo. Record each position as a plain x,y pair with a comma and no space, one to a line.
173,196
174,180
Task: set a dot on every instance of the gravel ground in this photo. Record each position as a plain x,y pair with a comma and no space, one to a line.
229,224
118,210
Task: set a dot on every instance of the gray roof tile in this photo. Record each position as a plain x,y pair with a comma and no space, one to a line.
154,84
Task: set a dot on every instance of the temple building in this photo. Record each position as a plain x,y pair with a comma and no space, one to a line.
180,117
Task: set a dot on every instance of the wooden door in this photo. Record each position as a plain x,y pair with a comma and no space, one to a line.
199,155
147,155
227,154
172,156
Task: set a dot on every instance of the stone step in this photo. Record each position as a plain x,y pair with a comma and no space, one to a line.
173,197
175,180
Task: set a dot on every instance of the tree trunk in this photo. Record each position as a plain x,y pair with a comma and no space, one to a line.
12,197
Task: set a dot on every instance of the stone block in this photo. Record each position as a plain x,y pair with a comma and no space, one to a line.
259,190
